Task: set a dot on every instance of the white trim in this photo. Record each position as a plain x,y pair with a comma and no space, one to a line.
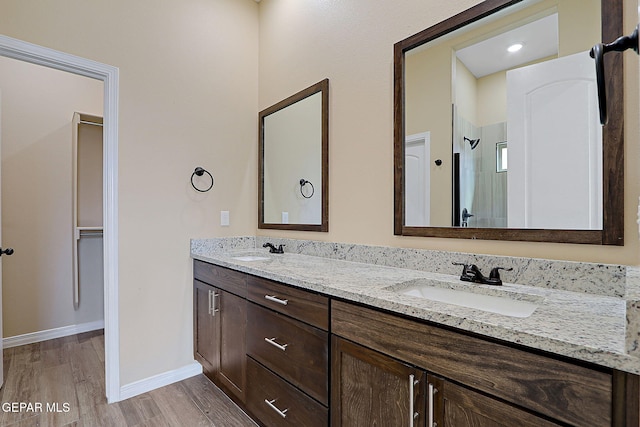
50,334
142,386
35,54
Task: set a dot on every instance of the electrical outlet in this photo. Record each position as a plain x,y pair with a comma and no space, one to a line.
224,218
285,217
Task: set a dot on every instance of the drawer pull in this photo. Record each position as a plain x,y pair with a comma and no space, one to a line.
275,299
273,342
282,413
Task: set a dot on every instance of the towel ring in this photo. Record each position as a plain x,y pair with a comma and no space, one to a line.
304,182
199,172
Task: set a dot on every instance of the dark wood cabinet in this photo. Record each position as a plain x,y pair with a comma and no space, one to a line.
273,347
205,327
297,352
270,352
277,403
232,316
220,323
372,389
479,382
288,355
457,406
299,304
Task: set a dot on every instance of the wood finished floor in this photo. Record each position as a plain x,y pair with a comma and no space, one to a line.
71,370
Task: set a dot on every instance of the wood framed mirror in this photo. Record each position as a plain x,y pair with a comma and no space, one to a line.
452,134
293,163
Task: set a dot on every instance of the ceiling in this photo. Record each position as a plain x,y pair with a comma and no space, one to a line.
539,39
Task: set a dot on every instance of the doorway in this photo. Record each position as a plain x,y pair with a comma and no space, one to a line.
23,51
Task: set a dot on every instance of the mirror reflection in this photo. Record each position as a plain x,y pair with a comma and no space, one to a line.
293,161
501,124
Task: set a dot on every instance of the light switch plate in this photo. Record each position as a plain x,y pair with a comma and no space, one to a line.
224,218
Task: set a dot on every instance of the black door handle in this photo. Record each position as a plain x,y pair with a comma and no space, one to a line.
8,251
597,52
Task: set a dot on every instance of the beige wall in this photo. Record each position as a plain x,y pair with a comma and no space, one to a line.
466,98
351,43
492,99
188,97
427,100
36,110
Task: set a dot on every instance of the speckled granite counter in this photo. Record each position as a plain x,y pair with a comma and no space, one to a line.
580,325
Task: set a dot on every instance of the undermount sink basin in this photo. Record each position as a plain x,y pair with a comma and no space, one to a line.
250,258
494,304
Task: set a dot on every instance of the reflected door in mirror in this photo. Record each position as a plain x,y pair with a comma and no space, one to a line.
555,143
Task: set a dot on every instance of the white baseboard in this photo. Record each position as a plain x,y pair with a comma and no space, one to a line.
142,386
50,334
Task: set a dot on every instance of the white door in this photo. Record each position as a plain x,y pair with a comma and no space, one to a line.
417,178
555,145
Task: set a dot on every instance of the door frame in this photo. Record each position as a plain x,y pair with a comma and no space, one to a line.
28,52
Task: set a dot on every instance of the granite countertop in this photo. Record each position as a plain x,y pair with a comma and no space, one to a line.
578,325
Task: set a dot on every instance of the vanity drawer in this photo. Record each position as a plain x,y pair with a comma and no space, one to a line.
303,305
296,351
284,399
220,277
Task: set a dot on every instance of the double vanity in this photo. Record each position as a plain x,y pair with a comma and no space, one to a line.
335,334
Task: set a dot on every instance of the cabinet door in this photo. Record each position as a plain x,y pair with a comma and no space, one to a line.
232,315
456,406
205,328
372,389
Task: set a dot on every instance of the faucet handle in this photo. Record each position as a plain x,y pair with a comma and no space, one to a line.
470,272
495,272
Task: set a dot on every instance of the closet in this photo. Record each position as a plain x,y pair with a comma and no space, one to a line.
88,256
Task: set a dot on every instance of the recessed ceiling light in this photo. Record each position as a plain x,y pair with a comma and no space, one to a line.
515,47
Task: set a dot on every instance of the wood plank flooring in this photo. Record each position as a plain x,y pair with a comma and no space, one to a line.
68,375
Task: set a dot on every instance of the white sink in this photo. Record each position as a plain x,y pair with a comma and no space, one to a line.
491,303
250,258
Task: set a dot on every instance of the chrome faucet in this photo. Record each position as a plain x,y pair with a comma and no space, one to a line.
471,273
273,249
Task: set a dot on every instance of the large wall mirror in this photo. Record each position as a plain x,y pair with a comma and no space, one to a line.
497,133
293,165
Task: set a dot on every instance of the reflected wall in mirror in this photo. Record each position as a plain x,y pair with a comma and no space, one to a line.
509,77
293,162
